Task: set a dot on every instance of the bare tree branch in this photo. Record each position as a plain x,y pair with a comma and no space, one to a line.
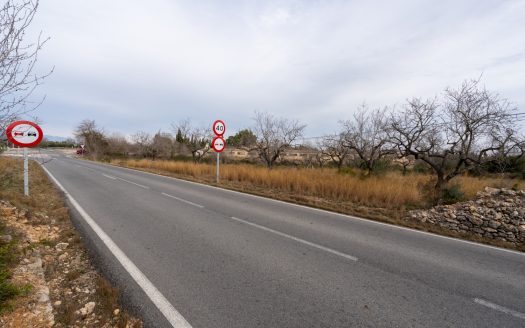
469,127
366,135
274,135
17,60
197,139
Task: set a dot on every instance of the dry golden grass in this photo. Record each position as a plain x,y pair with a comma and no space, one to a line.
391,191
43,196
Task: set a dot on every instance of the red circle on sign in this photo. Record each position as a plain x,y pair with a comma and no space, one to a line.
215,126
218,139
13,125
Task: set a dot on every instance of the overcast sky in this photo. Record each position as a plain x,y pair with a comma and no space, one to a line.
141,65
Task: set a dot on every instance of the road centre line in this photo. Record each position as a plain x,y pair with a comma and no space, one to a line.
302,241
87,168
499,308
136,184
163,305
182,200
109,176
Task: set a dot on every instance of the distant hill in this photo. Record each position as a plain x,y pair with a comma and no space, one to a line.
56,138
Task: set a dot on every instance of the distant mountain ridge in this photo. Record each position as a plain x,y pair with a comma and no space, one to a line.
56,138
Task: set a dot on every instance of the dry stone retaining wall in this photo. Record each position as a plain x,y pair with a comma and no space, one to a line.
495,213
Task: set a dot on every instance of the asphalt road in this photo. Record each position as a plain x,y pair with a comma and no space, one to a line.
226,259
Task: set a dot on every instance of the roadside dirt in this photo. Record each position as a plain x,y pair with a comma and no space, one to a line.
61,288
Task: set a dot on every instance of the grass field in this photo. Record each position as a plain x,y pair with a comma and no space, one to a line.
389,194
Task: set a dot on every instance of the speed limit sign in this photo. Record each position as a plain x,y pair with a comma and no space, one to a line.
219,127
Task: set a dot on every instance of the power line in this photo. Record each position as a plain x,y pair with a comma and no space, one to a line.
520,116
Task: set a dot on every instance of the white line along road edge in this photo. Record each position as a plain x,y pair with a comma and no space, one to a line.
164,306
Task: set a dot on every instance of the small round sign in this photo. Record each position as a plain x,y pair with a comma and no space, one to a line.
218,144
24,133
219,127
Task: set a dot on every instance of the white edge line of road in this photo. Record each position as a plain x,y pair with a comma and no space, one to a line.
324,211
170,313
299,240
499,308
182,200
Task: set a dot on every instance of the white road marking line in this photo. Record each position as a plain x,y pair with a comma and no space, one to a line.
340,215
182,200
109,176
164,306
282,234
87,168
136,184
499,308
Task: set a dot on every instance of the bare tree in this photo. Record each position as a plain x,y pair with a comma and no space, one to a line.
366,135
118,145
334,146
510,148
17,60
274,135
163,145
471,126
92,137
196,139
143,143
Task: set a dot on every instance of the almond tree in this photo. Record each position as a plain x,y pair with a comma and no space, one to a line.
470,126
334,146
197,139
366,135
143,144
17,60
274,135
94,139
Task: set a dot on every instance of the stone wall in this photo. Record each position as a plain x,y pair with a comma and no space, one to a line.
495,213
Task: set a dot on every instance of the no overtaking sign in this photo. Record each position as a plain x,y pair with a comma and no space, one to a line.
24,134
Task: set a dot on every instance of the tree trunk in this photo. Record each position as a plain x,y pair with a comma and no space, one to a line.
439,188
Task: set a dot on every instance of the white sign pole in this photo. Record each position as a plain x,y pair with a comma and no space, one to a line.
218,166
26,173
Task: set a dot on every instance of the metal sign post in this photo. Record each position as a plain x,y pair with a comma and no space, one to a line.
26,173
218,171
24,134
218,144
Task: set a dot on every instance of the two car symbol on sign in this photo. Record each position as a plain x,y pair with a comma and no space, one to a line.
21,134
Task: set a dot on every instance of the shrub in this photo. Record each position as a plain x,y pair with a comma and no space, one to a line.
453,194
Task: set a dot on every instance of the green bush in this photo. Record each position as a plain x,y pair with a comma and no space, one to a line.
7,257
453,194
